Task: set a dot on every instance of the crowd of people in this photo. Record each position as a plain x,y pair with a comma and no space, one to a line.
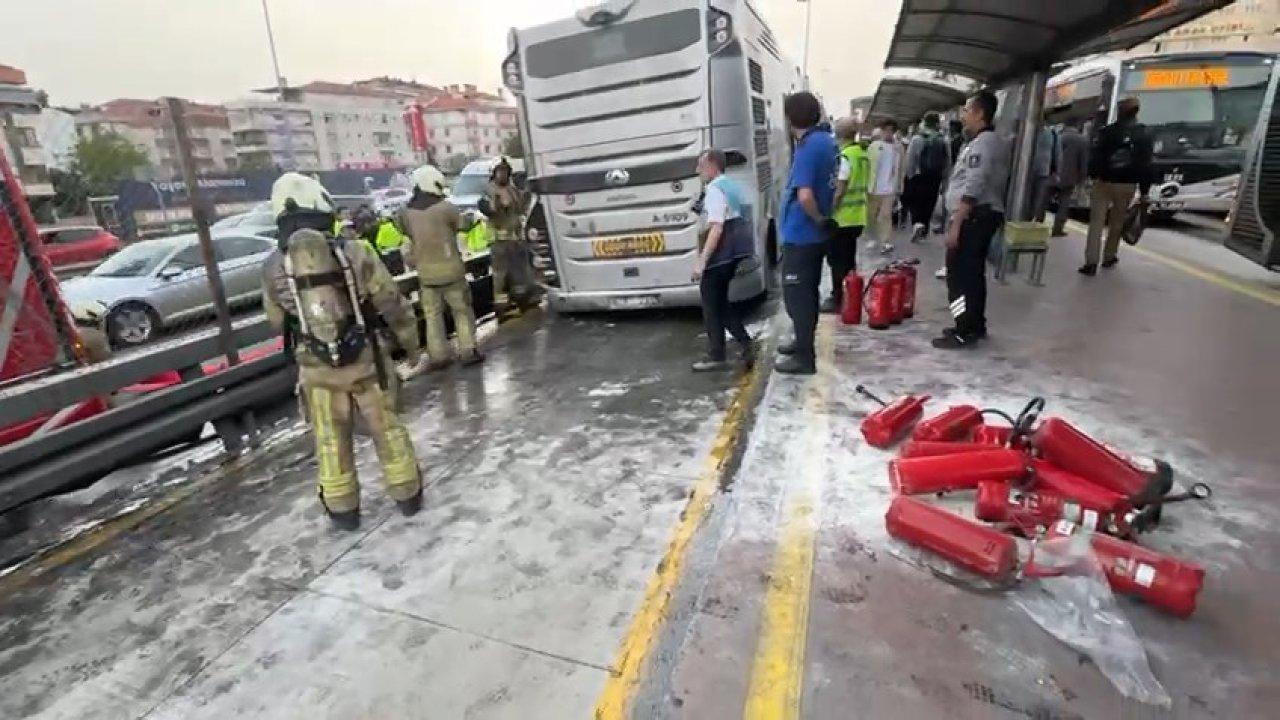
844,185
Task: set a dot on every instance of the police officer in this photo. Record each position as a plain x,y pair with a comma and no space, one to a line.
975,210
330,298
851,210
504,204
433,225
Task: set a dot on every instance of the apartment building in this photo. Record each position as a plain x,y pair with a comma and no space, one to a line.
358,125
146,124
274,134
19,136
466,121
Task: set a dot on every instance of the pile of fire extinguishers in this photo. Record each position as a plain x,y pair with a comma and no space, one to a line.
889,295
1035,479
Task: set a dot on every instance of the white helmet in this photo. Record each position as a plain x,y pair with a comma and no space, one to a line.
429,179
293,191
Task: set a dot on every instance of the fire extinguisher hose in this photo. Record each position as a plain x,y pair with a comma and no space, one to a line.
1021,424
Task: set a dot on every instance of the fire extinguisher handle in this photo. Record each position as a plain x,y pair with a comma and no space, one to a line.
1198,491
862,390
1028,416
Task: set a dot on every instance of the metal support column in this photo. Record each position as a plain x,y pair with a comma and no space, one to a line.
1029,123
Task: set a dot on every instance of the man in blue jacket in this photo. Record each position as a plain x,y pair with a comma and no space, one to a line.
806,224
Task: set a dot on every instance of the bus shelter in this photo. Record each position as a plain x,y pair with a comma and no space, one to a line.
999,42
906,101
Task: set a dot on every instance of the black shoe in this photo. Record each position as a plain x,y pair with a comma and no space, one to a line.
980,335
955,341
1111,262
410,507
472,358
1057,233
348,520
830,306
794,365
748,356
1089,269
709,364
787,349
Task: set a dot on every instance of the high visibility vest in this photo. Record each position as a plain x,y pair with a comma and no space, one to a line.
479,237
388,238
852,211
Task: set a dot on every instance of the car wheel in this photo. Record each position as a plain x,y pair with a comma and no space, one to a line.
132,324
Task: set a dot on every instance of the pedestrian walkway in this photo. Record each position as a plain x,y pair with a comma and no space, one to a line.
806,608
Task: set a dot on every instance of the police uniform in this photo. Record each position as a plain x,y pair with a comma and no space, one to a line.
511,271
331,297
980,177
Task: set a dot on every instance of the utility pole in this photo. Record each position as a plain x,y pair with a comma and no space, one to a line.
199,212
808,23
280,88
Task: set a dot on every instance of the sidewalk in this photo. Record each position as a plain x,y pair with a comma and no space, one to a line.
806,610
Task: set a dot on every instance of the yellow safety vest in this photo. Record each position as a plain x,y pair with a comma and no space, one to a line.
852,211
389,237
479,237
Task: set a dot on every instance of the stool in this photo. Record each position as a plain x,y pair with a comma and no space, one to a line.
1024,238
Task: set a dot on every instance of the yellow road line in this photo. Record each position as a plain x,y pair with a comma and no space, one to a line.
1266,295
627,669
777,674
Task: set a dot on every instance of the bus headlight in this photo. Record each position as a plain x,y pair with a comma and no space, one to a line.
512,73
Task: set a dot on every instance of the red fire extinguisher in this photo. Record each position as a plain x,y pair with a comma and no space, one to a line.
961,471
897,294
1048,477
1033,510
891,423
1160,580
983,550
929,448
954,423
879,309
851,302
997,435
1065,446
909,275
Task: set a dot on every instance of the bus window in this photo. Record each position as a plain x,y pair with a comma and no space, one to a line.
622,42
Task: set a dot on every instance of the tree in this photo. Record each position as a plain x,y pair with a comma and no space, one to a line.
105,159
513,146
70,194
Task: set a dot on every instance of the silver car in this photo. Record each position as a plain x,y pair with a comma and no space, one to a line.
156,284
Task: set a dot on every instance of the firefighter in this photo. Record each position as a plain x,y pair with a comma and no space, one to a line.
504,204
432,225
332,299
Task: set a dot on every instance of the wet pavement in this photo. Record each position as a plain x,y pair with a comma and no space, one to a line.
555,472
559,471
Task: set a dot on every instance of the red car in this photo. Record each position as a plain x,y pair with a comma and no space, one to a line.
79,245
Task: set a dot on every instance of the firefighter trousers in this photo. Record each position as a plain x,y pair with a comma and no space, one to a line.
332,423
457,296
512,273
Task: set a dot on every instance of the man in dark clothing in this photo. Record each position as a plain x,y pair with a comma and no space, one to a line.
928,160
1120,165
1072,171
806,225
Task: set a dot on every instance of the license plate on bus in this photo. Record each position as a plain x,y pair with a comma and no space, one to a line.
1170,205
629,246
633,302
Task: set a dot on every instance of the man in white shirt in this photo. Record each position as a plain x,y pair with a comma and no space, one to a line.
885,183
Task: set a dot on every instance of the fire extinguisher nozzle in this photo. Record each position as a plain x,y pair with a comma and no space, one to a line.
862,390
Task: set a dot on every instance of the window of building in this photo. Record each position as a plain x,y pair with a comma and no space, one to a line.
448,149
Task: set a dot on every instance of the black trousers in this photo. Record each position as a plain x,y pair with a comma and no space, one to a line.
842,257
801,276
920,194
967,271
718,313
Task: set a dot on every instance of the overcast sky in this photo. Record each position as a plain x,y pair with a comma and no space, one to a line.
216,50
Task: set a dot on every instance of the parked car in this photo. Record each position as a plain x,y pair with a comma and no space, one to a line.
155,284
258,221
389,201
77,245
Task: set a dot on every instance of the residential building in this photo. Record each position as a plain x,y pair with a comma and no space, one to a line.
468,122
1242,25
274,134
19,137
146,124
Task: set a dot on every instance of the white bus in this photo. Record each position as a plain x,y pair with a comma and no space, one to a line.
1201,109
616,104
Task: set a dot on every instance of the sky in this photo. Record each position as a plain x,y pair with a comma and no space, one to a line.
89,51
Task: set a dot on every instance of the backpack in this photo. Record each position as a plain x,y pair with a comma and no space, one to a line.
321,279
1123,153
934,157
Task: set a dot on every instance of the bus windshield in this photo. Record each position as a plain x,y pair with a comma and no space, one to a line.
1199,111
611,44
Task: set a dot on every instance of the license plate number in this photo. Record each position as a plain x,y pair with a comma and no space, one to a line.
633,302
1170,206
629,246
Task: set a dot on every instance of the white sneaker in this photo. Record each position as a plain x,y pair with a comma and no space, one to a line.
886,248
918,232
941,274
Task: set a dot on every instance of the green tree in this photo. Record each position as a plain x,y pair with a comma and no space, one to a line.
513,147
104,160
71,196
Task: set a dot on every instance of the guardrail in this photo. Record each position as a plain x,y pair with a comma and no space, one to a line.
79,454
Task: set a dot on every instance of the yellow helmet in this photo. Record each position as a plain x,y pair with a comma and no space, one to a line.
295,192
429,179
